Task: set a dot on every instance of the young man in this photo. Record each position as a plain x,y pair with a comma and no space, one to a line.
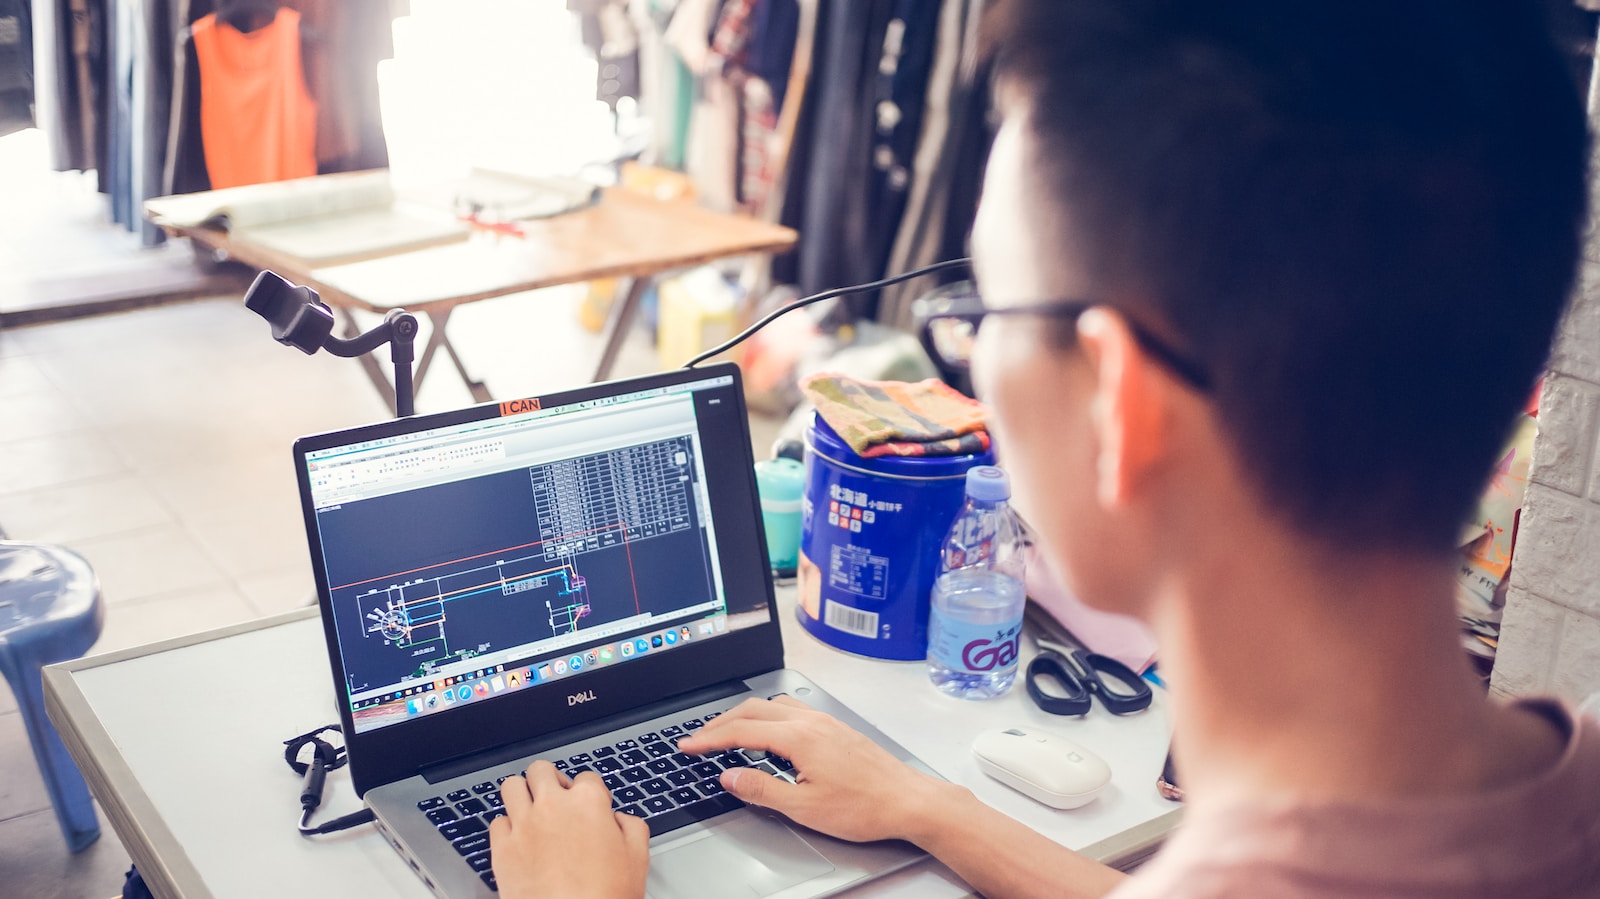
1327,245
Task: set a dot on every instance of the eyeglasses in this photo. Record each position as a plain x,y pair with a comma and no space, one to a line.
948,327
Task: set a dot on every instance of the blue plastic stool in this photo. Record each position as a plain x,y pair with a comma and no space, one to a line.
50,611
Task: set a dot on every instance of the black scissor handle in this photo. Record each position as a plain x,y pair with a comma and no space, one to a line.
1135,694
1054,665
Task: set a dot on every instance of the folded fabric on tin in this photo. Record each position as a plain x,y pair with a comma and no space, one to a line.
896,418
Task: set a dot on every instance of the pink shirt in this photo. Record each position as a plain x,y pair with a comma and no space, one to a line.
1533,840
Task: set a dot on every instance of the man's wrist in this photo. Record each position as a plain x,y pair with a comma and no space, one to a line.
934,811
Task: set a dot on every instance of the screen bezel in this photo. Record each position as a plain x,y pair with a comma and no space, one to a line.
403,749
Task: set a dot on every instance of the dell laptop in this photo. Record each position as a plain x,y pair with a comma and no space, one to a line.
579,577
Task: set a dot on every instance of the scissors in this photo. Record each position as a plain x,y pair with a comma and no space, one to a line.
1079,675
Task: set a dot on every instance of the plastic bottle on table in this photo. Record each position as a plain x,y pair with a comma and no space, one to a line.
975,625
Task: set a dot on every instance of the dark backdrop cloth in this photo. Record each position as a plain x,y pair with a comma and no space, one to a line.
16,65
856,145
774,25
69,72
154,108
834,222
116,155
900,97
796,181
351,36
971,133
136,109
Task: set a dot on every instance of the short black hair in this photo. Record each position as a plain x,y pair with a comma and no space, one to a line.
1362,217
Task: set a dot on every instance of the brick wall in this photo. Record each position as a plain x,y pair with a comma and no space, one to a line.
1550,636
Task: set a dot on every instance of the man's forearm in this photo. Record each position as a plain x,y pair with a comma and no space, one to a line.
999,856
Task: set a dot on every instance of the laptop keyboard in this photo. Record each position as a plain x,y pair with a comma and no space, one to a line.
648,778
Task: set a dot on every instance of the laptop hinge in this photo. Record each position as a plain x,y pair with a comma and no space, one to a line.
491,758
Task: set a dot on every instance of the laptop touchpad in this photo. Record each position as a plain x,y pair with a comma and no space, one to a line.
751,857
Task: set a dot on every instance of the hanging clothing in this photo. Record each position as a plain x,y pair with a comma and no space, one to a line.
132,108
774,28
901,94
69,78
16,66
920,235
116,159
740,52
971,134
756,41
755,116
666,87
614,38
711,150
134,145
257,120
342,42
834,216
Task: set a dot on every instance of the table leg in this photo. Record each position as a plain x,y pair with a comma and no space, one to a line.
617,323
369,362
436,341
439,340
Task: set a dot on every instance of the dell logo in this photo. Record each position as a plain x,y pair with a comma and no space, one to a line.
576,698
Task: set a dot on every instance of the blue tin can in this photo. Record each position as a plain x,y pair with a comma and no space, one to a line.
871,530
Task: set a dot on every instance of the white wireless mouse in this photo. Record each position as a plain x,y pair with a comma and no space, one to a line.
1042,766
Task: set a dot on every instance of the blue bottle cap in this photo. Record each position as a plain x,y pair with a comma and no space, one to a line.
989,483
780,480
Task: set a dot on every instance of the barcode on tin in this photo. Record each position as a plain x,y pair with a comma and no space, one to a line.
851,621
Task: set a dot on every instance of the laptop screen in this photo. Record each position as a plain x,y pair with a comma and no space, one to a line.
478,559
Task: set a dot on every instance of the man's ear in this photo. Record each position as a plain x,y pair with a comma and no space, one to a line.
1127,410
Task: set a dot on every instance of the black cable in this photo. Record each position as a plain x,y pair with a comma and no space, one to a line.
825,295
325,757
335,756
354,819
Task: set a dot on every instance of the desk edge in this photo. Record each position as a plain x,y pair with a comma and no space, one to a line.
160,858
1134,846
160,646
150,844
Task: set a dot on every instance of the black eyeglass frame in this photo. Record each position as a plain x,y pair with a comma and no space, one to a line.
973,310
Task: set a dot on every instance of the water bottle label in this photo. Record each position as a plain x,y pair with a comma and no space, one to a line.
973,648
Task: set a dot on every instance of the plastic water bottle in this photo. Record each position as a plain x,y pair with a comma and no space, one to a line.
975,625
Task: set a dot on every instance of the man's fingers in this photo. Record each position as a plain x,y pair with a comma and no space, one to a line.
499,829
590,782
759,788
713,735
543,776
635,833
756,709
743,733
514,792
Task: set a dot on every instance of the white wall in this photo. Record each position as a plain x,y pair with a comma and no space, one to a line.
1550,635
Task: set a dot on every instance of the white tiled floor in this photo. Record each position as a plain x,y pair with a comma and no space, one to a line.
157,444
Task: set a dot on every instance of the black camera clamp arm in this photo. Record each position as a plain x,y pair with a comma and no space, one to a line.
300,319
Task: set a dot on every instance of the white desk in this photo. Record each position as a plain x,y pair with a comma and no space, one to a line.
181,742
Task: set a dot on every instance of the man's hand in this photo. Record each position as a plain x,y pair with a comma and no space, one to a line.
848,786
559,838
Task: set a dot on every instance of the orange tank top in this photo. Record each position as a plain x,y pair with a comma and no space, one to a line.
257,121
